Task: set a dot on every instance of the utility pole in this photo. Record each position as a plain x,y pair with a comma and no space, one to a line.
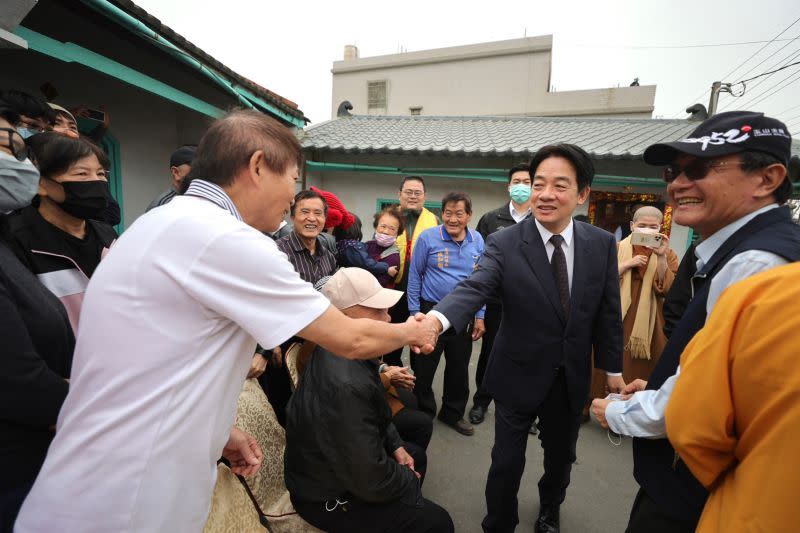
716,88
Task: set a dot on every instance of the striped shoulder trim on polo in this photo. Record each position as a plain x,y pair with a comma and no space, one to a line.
213,193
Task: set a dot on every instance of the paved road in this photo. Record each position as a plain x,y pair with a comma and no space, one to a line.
598,500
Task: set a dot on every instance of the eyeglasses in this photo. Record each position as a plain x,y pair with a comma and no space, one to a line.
11,139
412,194
34,125
696,169
387,227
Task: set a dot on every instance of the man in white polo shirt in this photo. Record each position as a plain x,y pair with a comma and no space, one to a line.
170,321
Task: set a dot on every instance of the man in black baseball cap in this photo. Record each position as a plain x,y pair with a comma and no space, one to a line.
180,163
727,181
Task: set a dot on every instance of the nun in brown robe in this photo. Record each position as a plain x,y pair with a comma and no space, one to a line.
640,357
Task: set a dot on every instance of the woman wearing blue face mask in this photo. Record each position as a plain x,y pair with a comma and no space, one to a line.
37,341
59,238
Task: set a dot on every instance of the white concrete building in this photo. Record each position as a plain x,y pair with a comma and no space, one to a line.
503,78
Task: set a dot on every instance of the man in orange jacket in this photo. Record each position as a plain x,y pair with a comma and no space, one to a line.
733,417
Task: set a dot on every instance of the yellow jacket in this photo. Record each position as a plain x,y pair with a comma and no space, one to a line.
426,220
734,415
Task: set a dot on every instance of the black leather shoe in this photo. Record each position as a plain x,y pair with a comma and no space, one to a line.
461,425
477,414
548,521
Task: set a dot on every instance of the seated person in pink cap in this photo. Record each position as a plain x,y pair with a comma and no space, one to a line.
346,467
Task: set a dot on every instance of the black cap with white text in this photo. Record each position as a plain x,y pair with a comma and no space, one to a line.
725,134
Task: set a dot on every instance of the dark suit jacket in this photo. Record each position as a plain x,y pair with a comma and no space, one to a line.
535,338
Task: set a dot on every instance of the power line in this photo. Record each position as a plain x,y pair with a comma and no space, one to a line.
787,82
783,62
789,109
737,67
768,73
672,47
773,54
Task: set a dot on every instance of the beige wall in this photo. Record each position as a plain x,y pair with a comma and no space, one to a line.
500,78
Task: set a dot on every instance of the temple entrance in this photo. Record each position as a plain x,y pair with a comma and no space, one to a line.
613,211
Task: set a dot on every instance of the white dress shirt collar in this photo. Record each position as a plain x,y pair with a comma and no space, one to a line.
566,233
708,247
516,215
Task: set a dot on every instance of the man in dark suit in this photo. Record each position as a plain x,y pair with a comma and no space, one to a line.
559,286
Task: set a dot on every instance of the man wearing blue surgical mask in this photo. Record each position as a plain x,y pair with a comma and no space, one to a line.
19,179
33,114
37,340
518,209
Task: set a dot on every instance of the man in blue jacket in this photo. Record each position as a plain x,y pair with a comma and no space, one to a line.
444,256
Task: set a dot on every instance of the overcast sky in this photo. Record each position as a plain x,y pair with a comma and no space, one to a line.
289,47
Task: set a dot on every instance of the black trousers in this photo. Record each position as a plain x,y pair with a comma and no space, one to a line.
399,314
558,433
412,424
394,517
457,349
646,517
494,314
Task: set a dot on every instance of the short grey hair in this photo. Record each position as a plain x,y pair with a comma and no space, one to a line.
648,211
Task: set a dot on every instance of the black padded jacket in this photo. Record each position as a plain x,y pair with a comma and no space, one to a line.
340,437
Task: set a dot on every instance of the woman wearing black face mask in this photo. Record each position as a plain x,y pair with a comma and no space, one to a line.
59,238
37,341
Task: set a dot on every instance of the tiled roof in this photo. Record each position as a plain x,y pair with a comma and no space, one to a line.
156,25
492,136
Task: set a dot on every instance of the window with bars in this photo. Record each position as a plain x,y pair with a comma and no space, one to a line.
415,110
376,96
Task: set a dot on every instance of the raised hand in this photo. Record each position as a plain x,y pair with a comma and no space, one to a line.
662,250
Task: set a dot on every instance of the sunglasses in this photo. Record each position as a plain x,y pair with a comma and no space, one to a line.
14,142
696,169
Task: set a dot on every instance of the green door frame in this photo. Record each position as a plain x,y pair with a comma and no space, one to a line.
111,145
